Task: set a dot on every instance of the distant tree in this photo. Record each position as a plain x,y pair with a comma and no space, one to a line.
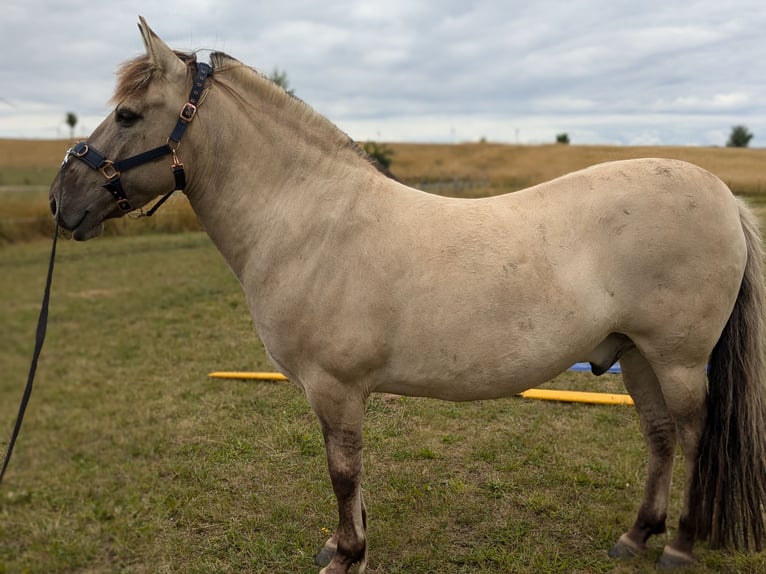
71,121
381,152
740,137
562,138
279,77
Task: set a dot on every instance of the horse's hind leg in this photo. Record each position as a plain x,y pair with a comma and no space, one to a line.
660,434
341,414
685,391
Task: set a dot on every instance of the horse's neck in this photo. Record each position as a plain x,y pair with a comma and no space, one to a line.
271,184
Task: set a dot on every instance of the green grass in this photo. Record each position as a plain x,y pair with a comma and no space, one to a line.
131,460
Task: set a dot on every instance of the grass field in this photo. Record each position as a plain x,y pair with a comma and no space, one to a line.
131,460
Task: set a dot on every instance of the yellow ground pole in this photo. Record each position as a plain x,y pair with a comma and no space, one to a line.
578,397
248,376
541,394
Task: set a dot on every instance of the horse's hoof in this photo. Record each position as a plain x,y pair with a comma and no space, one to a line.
325,556
625,549
672,559
337,569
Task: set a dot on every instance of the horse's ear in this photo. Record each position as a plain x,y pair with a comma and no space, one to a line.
159,52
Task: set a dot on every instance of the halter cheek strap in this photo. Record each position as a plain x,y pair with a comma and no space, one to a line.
112,170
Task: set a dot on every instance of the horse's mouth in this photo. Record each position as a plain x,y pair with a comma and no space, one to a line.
84,229
87,230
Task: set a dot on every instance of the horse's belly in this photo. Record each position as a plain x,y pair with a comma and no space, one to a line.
470,371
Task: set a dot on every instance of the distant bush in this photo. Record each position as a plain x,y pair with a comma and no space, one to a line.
381,152
562,138
279,77
740,137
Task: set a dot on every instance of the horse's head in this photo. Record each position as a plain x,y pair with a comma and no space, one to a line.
131,156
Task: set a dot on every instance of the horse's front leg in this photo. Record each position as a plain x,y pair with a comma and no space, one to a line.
341,418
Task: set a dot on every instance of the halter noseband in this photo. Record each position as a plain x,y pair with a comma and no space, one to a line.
111,170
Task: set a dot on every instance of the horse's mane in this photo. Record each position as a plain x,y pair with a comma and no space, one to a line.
247,77
134,77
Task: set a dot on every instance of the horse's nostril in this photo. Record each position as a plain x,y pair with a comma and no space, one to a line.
54,206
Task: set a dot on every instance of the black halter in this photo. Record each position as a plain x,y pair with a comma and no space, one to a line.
112,170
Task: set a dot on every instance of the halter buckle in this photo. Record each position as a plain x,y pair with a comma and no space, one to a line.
188,111
124,205
109,171
84,149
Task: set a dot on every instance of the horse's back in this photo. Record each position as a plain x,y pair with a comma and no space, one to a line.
518,285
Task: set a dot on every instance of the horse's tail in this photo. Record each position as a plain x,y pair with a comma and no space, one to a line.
729,487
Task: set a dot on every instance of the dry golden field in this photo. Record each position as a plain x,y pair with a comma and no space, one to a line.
518,166
32,153
463,170
413,163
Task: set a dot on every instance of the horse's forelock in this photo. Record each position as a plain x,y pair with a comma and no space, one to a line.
134,76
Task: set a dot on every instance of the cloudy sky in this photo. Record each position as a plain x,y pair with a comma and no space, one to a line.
603,71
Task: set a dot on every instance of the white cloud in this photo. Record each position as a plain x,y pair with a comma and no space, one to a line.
731,100
617,72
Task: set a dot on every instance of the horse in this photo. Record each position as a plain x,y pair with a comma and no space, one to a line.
357,283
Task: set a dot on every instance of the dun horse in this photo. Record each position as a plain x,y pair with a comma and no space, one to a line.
358,284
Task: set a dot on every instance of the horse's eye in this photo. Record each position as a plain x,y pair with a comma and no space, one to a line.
126,117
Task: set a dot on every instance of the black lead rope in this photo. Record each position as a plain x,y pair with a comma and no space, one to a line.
42,326
111,171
